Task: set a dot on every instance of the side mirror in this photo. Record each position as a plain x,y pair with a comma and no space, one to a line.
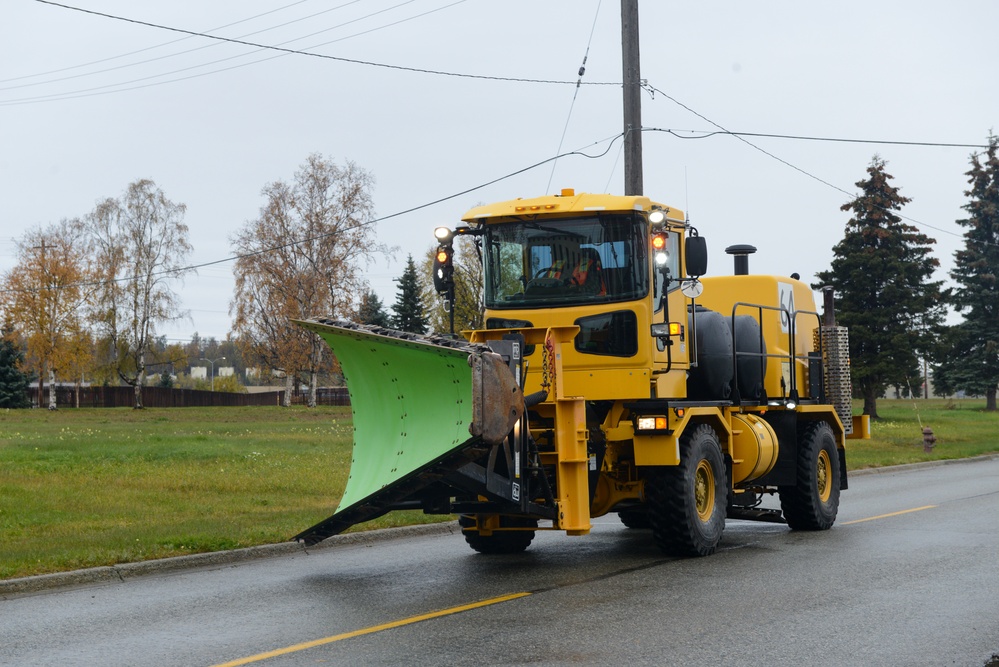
695,251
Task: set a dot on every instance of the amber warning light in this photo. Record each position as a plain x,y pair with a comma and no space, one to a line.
659,249
666,329
657,423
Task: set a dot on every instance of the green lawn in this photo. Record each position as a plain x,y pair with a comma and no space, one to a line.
962,427
88,487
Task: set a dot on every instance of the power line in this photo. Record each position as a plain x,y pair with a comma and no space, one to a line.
143,50
575,93
700,134
610,174
352,61
408,210
194,267
117,87
741,138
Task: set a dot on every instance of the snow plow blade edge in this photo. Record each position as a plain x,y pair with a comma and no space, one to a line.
422,406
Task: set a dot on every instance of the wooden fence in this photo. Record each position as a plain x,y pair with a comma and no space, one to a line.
152,397
163,397
324,396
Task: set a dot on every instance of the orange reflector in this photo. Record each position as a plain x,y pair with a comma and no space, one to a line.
680,412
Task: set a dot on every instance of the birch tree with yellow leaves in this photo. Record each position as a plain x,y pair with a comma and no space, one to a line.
44,299
303,257
139,251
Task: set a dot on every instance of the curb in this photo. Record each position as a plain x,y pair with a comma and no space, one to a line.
125,571
923,464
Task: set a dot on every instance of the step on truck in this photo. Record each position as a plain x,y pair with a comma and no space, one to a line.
612,375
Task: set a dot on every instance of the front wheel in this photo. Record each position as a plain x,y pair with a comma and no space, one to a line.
634,519
813,502
687,502
500,541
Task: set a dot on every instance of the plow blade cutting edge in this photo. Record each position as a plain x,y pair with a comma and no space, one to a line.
422,407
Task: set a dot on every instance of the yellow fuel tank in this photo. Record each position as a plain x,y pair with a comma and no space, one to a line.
754,448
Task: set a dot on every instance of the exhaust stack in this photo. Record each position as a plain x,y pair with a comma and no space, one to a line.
740,254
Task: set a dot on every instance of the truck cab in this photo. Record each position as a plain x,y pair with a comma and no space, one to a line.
608,265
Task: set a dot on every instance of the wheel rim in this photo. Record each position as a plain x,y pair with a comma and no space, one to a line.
823,475
704,490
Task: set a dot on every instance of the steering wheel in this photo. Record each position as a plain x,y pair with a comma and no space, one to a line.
545,283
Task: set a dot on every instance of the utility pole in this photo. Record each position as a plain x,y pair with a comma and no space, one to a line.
43,304
630,59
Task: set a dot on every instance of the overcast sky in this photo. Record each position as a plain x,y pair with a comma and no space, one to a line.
89,104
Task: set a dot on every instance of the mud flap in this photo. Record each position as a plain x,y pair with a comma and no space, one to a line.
422,407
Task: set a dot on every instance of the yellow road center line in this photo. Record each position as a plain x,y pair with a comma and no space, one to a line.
885,516
367,631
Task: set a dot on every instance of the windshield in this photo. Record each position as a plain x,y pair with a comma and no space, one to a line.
547,263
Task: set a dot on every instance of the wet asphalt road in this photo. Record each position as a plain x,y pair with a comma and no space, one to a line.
919,586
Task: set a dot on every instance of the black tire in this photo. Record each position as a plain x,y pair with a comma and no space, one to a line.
687,502
500,542
637,519
813,502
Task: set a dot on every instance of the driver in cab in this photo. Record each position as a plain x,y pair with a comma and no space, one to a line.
586,276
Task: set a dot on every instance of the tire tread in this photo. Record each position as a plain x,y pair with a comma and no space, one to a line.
676,527
802,507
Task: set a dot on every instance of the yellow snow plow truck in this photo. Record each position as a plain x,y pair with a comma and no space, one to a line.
611,376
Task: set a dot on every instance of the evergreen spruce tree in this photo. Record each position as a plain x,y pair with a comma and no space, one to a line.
881,274
166,380
408,308
371,310
971,362
13,382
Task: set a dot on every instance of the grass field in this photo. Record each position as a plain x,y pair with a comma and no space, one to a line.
962,427
81,488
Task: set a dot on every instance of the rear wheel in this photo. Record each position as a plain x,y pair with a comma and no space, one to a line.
687,502
500,541
813,502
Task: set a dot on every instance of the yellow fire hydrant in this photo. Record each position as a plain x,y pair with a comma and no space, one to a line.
928,439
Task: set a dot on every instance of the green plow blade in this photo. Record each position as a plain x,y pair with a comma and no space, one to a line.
417,405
